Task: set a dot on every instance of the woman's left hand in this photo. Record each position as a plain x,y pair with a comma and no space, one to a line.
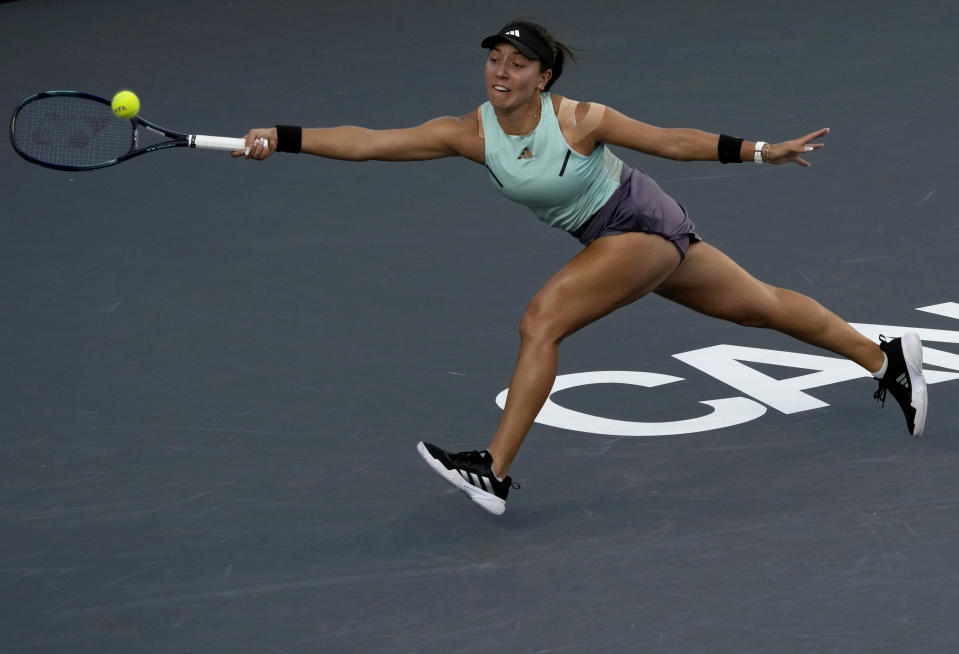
780,153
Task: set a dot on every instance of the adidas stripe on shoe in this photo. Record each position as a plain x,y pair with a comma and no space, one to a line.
471,472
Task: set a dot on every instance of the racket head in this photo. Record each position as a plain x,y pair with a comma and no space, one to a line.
70,130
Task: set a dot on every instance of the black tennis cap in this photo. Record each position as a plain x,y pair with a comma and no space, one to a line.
525,39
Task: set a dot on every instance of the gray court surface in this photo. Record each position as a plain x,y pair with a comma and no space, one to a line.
215,372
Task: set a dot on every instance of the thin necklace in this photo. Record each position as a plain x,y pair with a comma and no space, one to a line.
528,131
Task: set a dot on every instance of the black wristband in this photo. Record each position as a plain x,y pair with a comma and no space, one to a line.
729,149
289,138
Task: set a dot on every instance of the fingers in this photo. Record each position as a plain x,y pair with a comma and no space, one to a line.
793,151
814,135
258,149
259,145
251,141
797,153
805,146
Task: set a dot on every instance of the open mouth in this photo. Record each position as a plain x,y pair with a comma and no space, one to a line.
501,89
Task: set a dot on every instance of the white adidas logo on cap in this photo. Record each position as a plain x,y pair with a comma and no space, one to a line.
513,33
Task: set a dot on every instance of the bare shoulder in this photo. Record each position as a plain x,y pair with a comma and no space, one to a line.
572,113
472,123
462,134
456,126
578,120
557,102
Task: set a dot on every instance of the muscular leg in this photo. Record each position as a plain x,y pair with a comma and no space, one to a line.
712,283
611,272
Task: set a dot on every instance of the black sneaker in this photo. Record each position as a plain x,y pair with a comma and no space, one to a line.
472,473
904,379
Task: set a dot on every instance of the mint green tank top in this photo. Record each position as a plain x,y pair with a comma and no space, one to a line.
562,187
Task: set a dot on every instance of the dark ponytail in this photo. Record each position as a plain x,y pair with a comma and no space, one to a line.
561,51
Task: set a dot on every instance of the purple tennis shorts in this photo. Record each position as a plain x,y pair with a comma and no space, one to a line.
640,205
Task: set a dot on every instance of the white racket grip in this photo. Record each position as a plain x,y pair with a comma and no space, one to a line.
216,142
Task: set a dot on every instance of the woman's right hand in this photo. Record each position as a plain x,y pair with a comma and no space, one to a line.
260,144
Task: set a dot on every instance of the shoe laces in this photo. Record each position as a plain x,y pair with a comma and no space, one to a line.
476,457
880,394
888,381
473,458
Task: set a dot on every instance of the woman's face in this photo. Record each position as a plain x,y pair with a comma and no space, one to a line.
512,80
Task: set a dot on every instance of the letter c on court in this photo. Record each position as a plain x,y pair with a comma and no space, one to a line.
726,412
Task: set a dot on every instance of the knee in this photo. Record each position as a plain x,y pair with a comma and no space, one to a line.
763,311
539,323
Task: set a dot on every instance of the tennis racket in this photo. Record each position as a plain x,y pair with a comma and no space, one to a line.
71,130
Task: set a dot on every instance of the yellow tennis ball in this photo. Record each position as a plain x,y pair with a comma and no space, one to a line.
126,104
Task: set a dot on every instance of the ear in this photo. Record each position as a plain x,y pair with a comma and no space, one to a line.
544,78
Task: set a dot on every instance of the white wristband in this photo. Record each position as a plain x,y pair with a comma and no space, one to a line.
758,152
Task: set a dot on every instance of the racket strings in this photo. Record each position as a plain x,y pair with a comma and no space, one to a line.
71,131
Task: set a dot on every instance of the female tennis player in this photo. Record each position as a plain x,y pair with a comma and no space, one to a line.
551,154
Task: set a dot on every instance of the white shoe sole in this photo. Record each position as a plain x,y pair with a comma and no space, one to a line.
912,353
488,501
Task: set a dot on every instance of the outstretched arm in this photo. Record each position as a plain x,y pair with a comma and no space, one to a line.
441,137
684,144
